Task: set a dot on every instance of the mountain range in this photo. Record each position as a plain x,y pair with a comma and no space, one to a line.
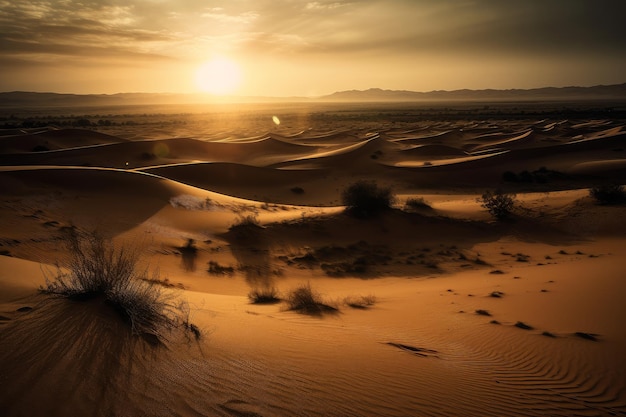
20,99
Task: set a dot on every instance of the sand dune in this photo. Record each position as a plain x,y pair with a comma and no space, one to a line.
157,152
54,140
468,315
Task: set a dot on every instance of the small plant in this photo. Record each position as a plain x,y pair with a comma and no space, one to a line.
246,227
417,203
265,295
498,203
304,300
249,220
367,199
608,194
361,302
99,270
217,269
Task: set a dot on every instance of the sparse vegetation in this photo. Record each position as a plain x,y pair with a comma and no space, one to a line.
367,199
608,194
361,302
417,203
265,295
522,325
97,269
304,299
216,269
498,203
247,221
246,228
539,176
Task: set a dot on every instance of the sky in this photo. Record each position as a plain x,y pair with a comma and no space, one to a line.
288,48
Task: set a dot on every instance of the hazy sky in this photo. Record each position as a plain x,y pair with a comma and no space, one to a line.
298,47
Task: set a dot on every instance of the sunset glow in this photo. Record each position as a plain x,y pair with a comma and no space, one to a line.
218,76
308,48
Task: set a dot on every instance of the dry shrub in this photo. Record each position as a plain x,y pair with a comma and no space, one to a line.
367,199
304,299
264,295
97,269
216,269
498,203
361,302
608,194
417,203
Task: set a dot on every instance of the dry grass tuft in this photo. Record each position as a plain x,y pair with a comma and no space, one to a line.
97,269
304,299
361,302
265,295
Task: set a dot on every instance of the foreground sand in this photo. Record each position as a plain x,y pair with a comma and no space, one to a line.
422,349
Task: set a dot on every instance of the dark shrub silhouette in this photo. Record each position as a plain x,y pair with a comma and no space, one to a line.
367,199
265,295
608,194
498,203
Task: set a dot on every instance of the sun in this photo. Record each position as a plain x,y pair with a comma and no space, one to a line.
218,76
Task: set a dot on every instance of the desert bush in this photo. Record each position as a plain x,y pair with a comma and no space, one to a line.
304,299
216,269
243,222
246,228
264,295
538,176
608,194
366,199
361,302
498,203
417,203
97,269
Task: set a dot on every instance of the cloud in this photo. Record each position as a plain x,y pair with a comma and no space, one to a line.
62,28
365,35
217,13
317,5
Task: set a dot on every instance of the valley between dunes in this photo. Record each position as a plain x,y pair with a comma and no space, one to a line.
472,316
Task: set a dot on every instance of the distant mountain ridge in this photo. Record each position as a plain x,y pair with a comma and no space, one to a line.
35,99
616,91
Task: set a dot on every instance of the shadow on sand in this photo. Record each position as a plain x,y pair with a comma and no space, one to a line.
69,355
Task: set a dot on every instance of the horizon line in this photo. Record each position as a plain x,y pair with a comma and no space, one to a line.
233,96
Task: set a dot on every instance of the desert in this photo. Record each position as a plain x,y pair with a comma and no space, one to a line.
425,304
